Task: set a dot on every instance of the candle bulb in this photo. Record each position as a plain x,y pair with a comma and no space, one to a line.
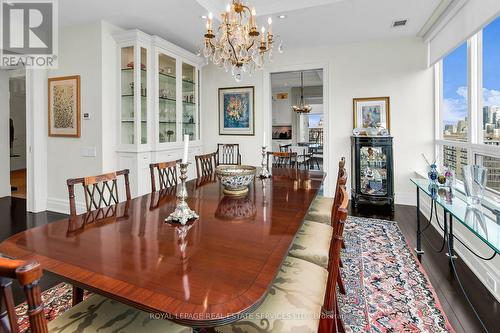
252,21
270,23
210,20
264,143
263,34
186,144
228,12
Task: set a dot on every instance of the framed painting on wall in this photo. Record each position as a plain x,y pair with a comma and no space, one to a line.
64,106
236,111
372,112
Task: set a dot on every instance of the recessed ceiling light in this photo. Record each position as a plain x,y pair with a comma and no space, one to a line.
282,17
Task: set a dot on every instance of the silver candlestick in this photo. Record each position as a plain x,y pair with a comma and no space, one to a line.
264,172
182,212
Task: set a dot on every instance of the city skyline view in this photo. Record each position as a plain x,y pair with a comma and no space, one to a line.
455,91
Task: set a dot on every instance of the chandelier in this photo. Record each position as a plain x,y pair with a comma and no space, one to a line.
302,107
237,45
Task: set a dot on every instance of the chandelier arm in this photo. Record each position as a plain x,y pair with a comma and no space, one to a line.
234,50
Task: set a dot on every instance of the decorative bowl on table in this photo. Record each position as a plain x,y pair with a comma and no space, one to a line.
235,178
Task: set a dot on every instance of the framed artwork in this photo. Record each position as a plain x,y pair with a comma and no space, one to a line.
372,112
236,111
64,106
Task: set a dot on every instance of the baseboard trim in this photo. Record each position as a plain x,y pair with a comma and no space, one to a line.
62,206
406,198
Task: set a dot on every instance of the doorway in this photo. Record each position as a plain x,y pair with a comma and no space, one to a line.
298,115
17,135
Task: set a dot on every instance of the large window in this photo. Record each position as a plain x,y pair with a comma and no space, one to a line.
455,110
491,83
469,105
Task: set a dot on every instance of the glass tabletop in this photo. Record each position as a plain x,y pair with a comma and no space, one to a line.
480,224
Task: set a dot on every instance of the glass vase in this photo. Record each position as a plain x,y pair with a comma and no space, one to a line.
474,183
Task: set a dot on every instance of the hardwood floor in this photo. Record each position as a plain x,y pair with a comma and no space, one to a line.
454,304
13,219
18,180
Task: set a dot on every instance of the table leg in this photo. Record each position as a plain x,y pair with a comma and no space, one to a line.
418,250
451,253
77,295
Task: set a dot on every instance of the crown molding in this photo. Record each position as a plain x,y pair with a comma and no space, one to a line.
444,12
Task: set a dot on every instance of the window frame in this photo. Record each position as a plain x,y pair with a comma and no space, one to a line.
475,141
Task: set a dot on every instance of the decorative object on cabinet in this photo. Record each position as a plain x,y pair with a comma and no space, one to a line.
372,170
235,43
236,111
372,112
64,106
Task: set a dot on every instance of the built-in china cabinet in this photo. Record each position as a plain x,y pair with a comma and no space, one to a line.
158,103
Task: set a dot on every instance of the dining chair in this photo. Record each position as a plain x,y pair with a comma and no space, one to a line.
228,154
303,156
205,164
95,314
282,159
313,241
167,174
100,191
285,147
302,298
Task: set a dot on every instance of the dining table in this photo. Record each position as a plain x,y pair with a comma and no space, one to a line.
210,272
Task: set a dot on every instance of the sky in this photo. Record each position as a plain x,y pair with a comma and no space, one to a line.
455,75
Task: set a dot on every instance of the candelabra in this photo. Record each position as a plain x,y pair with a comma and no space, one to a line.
182,212
264,172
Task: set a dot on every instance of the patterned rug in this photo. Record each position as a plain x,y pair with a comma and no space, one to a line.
387,288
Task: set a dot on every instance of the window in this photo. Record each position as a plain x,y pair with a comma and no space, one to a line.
469,106
455,99
491,83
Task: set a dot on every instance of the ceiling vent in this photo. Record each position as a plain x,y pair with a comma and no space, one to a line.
399,23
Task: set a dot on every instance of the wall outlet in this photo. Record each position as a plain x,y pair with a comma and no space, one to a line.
86,116
88,152
491,281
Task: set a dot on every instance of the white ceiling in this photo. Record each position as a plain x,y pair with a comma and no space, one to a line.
308,23
292,79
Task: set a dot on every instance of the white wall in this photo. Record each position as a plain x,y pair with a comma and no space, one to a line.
87,50
4,135
395,68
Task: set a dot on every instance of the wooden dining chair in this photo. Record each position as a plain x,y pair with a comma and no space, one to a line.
95,314
228,154
282,159
285,147
167,174
100,191
205,164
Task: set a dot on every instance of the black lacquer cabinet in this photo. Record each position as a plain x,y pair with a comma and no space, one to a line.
372,170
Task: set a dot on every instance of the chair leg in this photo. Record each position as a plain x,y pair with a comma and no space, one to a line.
343,244
77,295
339,324
340,283
341,264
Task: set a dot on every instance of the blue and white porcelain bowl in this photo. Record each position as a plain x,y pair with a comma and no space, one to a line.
235,178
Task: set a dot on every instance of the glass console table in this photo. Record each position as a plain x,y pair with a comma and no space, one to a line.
482,226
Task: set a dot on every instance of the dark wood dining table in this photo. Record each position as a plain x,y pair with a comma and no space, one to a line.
205,274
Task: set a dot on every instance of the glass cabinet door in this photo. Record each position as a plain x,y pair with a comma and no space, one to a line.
373,170
144,96
189,101
127,96
167,93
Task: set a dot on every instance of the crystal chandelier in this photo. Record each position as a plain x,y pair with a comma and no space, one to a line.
302,107
237,45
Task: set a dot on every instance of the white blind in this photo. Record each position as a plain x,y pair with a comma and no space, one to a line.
473,16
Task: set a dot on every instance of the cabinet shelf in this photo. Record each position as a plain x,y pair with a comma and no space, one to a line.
131,95
166,99
169,76
189,103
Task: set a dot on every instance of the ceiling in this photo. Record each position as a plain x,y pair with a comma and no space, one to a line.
292,79
308,23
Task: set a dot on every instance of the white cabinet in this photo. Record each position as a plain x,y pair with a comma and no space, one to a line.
158,103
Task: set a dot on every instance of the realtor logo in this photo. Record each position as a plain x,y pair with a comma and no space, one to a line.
28,33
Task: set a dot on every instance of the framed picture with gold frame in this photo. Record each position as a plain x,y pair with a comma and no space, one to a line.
64,106
372,112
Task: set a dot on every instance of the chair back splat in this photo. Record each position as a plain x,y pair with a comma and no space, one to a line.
228,154
205,164
167,174
282,159
100,191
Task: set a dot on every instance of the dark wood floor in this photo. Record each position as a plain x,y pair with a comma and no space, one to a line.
13,219
454,304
